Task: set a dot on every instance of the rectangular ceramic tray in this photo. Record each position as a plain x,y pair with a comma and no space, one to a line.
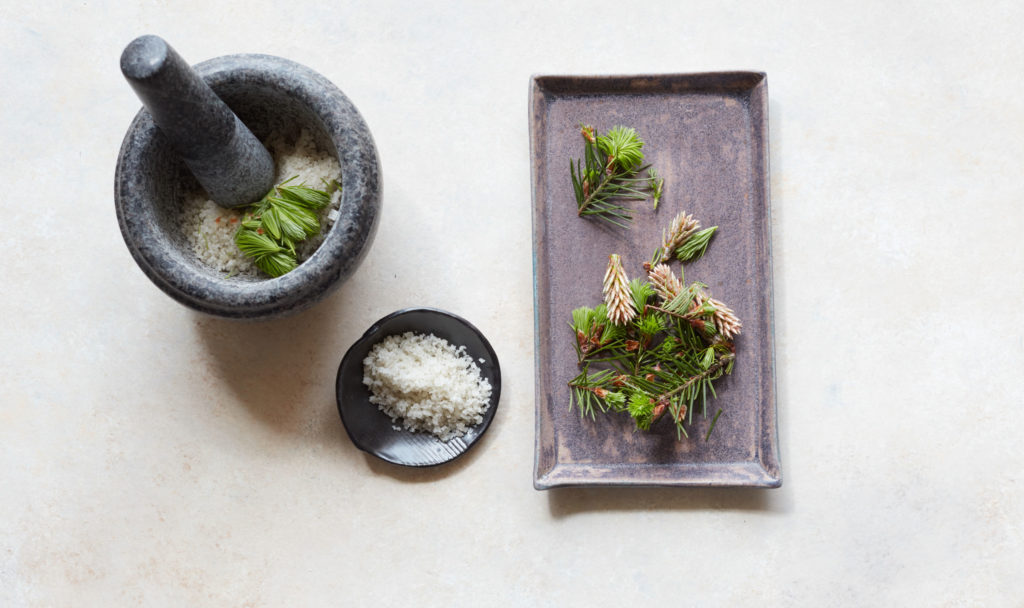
707,135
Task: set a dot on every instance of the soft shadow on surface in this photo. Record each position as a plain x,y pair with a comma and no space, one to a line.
282,370
425,474
564,502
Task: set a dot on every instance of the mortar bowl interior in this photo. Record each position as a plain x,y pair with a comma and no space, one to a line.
269,94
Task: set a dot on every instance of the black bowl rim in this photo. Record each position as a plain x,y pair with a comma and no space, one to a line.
373,330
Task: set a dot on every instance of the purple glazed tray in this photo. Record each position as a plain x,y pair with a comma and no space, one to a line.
707,135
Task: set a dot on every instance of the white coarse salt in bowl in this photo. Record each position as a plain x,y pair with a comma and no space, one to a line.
427,383
442,417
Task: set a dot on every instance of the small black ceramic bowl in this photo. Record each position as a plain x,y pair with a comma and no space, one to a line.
269,94
371,430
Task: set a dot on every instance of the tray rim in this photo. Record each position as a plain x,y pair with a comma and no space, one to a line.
765,471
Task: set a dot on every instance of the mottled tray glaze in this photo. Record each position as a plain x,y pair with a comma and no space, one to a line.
707,135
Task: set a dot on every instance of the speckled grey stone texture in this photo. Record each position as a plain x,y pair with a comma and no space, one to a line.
267,93
227,159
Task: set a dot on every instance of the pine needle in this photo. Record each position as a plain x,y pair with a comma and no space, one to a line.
272,227
683,226
713,422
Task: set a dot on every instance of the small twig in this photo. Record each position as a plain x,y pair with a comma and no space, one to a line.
590,197
686,316
717,365
693,318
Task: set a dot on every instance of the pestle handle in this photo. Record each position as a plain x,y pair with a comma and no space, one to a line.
224,155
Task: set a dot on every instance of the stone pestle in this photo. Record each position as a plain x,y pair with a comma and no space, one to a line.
224,155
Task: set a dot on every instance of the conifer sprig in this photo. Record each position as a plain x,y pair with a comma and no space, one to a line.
655,348
684,240
682,227
283,218
657,185
608,175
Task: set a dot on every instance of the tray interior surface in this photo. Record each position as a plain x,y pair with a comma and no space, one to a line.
706,134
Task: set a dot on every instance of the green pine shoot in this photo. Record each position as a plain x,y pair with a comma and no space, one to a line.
696,245
268,256
656,184
622,146
608,174
283,218
641,407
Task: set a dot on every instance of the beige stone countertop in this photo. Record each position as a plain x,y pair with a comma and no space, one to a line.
154,456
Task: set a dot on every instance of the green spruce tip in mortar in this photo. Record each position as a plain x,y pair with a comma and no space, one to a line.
283,218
